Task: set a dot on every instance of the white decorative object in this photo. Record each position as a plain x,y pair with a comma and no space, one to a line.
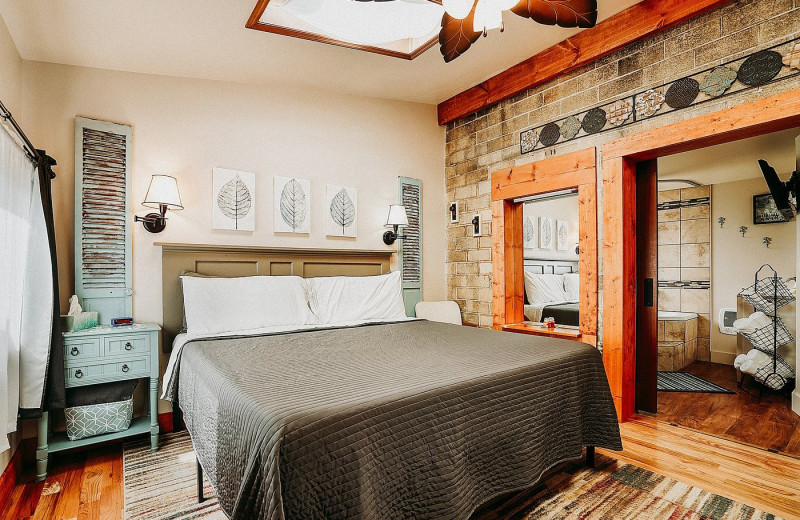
292,205
341,211
546,232
74,306
562,235
234,200
529,232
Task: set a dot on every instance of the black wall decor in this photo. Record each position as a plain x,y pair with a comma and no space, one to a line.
776,63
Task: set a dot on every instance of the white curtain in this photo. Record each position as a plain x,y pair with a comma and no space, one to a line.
21,226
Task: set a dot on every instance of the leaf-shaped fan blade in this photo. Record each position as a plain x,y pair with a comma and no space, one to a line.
293,204
564,13
234,199
343,211
456,36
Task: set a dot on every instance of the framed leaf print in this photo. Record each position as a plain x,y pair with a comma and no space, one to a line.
341,211
562,235
234,201
529,232
292,205
546,233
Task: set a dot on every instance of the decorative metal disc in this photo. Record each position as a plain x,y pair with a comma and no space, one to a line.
760,68
718,81
649,103
594,121
528,140
619,112
792,57
682,93
549,134
570,127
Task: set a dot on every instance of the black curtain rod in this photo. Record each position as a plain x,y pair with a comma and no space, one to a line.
30,150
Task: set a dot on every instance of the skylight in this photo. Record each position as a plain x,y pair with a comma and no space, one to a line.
402,28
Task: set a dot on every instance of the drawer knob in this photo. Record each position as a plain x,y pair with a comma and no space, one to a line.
74,351
128,346
78,373
125,368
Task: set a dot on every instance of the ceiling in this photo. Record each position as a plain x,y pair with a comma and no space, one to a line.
731,162
208,39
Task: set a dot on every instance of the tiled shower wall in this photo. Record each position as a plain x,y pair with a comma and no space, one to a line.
488,140
684,258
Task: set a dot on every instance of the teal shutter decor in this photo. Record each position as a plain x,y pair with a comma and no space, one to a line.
103,278
409,250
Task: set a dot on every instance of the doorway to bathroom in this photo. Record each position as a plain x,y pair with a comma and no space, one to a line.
715,224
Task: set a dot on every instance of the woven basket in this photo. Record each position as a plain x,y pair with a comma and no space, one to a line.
764,338
767,294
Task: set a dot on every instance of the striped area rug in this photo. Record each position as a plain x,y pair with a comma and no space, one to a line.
686,382
161,486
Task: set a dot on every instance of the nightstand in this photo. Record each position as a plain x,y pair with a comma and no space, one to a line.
106,354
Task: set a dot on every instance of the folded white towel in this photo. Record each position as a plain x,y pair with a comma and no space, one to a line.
755,359
737,363
759,319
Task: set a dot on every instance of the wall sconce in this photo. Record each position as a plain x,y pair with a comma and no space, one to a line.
453,209
476,226
162,194
397,217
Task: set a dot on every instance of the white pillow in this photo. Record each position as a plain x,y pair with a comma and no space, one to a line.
544,288
338,299
215,305
572,286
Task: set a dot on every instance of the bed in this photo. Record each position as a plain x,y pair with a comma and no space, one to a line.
552,291
381,418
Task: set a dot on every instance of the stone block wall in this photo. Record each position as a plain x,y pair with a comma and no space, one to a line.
488,140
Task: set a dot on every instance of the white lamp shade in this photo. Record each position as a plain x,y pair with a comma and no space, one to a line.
163,190
458,9
397,216
487,16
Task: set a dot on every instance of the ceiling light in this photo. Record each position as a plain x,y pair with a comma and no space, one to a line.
459,8
368,23
487,17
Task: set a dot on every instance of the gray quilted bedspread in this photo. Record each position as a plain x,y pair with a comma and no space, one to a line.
406,420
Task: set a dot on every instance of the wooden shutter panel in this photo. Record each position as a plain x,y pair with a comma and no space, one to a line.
102,224
410,249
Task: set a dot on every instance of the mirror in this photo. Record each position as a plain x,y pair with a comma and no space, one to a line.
550,225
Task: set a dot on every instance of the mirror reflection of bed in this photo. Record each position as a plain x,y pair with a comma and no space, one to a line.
550,240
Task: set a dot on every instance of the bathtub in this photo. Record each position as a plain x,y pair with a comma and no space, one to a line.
676,316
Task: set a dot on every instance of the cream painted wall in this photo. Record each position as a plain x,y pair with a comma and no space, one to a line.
734,259
558,209
186,127
11,95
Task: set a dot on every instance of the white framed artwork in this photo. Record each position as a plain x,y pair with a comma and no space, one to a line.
562,235
546,233
529,233
292,205
341,211
234,201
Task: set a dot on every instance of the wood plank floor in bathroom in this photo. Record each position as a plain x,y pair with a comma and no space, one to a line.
768,424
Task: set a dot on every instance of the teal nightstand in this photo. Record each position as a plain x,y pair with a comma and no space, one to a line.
102,355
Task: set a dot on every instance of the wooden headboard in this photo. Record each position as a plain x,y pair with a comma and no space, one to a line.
550,266
231,261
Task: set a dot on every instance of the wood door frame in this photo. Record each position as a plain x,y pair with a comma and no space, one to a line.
572,170
620,158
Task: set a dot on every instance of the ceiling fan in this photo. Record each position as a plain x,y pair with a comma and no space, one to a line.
464,21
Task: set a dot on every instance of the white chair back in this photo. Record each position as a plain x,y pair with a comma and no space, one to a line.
444,312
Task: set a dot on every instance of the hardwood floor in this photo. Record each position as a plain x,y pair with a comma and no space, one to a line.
768,424
88,485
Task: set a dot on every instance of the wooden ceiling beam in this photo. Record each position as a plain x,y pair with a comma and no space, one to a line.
635,23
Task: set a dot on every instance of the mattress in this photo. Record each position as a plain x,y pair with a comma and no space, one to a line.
394,420
563,313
